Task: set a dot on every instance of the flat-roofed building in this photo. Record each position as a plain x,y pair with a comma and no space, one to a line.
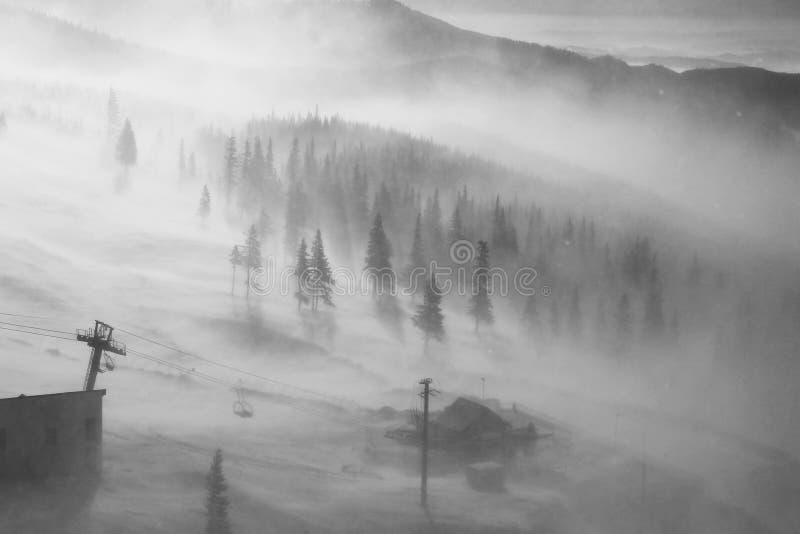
54,434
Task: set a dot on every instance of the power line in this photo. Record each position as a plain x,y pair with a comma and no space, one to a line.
221,382
194,372
181,368
190,354
231,367
37,333
21,315
37,328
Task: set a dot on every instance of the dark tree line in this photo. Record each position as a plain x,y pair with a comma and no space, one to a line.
397,203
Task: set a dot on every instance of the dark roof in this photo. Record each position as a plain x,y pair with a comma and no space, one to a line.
102,392
464,412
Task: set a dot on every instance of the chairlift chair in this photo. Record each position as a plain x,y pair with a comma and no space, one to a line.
109,362
241,407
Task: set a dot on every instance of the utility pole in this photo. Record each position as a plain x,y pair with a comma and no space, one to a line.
425,394
99,339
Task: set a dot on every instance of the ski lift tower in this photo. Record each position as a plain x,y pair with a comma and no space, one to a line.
100,341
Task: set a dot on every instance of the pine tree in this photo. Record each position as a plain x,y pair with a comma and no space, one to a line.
301,267
378,264
231,162
293,163
112,115
456,230
432,224
217,503
235,258
504,233
429,318
416,268
360,208
245,193
258,174
126,146
269,161
205,204
480,302
310,162
498,225
253,190
253,260
322,276
383,204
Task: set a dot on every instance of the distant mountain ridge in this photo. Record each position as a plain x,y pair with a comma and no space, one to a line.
733,96
763,8
402,50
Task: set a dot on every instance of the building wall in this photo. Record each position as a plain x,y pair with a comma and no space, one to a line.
58,434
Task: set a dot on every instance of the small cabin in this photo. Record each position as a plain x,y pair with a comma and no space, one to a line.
54,434
468,420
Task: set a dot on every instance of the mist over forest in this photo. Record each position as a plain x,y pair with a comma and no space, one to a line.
287,215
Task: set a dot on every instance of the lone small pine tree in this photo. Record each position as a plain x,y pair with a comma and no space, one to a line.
217,503
253,260
126,146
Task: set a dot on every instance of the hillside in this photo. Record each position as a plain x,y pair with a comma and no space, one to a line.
308,207
142,260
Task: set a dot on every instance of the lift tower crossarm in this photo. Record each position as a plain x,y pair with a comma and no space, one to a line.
100,340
